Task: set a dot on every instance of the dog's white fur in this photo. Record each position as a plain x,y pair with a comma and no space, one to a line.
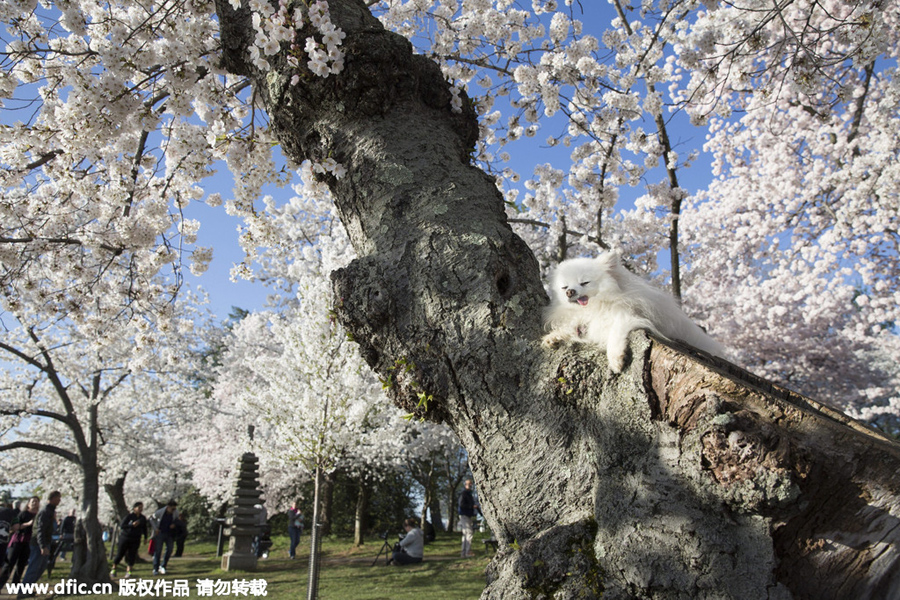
597,300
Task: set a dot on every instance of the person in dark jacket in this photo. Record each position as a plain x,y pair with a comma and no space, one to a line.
67,534
18,550
132,529
42,539
181,533
467,509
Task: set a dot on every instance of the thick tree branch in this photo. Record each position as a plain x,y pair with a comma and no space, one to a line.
62,394
26,445
47,414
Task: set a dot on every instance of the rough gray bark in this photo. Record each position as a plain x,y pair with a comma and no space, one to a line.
671,480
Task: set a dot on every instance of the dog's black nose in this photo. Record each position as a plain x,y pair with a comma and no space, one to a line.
570,293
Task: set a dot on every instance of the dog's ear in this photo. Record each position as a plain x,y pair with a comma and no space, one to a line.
609,260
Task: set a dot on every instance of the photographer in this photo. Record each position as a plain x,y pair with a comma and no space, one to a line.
411,548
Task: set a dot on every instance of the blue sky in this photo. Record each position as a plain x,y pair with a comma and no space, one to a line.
219,231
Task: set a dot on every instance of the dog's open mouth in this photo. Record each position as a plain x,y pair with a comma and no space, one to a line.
582,300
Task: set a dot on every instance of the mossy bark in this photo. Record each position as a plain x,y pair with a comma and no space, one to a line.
675,479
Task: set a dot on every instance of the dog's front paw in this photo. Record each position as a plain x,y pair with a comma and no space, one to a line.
551,340
616,360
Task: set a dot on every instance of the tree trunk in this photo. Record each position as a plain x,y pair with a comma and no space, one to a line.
452,509
326,502
116,493
437,519
456,475
428,494
670,480
362,512
89,563
453,498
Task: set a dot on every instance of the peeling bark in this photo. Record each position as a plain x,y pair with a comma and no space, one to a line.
679,478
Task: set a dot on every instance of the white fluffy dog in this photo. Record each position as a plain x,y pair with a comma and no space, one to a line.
597,300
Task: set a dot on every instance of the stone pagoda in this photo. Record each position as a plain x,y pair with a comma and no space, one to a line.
242,523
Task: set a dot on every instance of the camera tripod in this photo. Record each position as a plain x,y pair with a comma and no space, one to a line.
386,549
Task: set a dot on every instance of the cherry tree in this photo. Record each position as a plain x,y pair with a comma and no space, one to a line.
296,369
435,459
802,105
90,404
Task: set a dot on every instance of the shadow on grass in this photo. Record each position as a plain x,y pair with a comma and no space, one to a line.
346,573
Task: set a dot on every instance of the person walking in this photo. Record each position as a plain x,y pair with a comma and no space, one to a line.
132,529
42,540
67,534
164,527
467,509
181,533
18,549
295,527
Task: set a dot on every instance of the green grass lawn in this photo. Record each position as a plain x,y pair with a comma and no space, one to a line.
346,573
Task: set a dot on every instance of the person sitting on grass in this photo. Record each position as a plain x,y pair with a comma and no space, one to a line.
411,548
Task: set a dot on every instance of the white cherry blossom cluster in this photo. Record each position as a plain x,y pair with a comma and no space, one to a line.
329,165
273,27
805,193
96,181
325,55
277,27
